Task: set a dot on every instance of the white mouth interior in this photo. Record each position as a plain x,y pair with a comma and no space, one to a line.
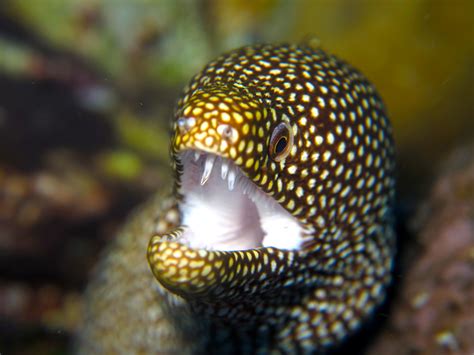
224,210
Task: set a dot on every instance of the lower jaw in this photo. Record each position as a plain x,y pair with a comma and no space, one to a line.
200,274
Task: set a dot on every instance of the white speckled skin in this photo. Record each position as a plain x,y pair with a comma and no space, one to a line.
333,175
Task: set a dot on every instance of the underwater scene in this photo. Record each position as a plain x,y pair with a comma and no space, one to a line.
108,108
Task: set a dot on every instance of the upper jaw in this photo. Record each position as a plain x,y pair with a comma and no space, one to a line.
228,171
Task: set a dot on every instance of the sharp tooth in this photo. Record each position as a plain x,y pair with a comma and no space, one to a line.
246,187
197,155
207,168
224,168
231,179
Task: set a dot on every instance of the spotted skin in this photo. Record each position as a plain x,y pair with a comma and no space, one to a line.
337,181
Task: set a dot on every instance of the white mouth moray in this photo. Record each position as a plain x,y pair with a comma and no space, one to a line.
279,236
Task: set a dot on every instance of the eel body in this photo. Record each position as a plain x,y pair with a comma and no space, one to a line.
278,236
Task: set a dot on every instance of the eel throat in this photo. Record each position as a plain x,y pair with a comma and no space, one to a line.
224,210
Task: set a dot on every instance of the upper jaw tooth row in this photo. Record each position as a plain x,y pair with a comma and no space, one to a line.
227,171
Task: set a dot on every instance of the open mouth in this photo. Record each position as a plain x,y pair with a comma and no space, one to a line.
222,209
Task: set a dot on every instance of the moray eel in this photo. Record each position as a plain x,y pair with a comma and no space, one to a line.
279,235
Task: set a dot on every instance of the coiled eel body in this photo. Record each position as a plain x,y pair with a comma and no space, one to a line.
279,235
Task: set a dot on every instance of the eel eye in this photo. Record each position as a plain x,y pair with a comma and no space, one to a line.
281,141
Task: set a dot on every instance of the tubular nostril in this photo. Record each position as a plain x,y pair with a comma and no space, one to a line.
228,132
181,124
185,124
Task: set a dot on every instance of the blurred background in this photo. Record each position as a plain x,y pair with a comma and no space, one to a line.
87,90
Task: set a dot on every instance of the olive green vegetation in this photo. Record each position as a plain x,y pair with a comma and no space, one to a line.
14,58
420,55
147,137
111,34
122,164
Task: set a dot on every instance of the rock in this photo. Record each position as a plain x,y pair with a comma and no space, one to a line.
434,310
